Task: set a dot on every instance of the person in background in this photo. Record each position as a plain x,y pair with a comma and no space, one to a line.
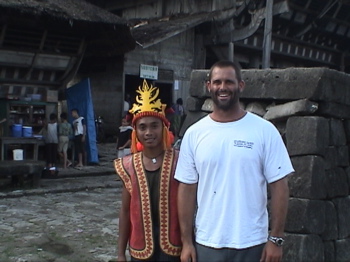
65,131
179,113
79,136
170,114
50,134
1,128
126,105
124,137
148,218
226,161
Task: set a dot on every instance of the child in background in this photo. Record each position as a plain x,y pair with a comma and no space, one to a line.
65,131
79,136
50,134
124,137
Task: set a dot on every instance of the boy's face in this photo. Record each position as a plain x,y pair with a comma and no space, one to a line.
149,131
124,122
74,114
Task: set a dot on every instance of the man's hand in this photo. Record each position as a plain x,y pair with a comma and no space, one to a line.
271,253
188,253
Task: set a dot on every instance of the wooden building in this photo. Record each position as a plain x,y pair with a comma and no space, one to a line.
116,46
42,45
178,36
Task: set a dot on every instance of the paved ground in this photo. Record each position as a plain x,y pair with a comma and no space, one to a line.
73,218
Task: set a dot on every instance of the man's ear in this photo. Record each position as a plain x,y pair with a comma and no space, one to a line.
208,84
241,86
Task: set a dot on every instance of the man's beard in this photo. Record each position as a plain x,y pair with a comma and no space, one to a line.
228,104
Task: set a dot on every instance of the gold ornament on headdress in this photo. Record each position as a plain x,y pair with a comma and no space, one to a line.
148,104
147,100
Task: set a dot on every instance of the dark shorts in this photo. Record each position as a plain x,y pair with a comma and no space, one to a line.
251,254
79,144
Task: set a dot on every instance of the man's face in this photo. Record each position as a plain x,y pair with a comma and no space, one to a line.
224,87
149,131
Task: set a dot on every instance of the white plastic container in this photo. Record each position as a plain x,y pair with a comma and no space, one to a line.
18,154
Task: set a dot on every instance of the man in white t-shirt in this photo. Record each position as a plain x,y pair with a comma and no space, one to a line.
226,161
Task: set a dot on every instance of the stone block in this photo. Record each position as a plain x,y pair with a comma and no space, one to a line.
190,119
342,156
347,130
335,110
283,111
347,171
331,222
337,135
342,250
329,251
308,181
330,157
343,207
194,104
198,87
256,108
289,84
302,248
336,156
208,105
307,135
336,183
305,216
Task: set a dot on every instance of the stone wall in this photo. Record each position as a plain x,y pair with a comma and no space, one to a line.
311,109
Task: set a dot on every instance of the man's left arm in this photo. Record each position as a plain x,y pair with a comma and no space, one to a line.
279,207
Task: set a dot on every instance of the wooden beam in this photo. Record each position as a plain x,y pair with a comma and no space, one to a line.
224,36
267,35
119,5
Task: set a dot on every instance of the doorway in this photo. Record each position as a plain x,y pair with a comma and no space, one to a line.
133,82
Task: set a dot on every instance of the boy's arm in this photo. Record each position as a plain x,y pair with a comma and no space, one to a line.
84,132
127,144
124,224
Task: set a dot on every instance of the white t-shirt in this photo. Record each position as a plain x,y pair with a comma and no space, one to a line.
232,164
78,126
52,136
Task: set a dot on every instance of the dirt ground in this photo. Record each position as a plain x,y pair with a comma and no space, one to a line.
74,226
72,219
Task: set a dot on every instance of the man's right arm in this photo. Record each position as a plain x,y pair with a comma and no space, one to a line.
186,202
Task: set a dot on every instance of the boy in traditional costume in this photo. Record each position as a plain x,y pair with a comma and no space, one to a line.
148,218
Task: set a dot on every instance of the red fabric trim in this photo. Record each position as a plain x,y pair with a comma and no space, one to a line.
151,113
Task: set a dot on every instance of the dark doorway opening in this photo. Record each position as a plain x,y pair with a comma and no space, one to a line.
133,82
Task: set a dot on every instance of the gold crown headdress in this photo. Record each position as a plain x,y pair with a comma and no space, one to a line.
148,104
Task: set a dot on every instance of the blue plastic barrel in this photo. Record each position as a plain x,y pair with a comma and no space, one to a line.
27,131
16,130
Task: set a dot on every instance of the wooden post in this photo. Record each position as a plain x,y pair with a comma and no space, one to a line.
267,34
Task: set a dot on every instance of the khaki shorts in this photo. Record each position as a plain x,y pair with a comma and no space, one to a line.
63,142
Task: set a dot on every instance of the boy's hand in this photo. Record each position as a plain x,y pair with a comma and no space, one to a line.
121,258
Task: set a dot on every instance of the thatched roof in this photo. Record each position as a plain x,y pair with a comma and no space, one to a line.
108,32
71,10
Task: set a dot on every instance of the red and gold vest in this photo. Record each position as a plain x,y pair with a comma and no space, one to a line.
132,173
